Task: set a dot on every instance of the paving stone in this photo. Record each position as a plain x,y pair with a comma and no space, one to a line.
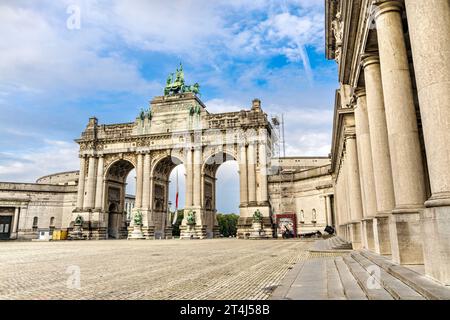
171,269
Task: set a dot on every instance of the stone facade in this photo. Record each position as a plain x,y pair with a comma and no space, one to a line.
390,150
303,186
30,207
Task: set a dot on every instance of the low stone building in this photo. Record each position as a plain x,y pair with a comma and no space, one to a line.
27,208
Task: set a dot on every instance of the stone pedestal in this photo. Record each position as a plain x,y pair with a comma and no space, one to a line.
76,233
189,232
368,226
258,231
435,224
136,234
355,235
381,235
404,228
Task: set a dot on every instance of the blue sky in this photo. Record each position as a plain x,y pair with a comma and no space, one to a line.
53,78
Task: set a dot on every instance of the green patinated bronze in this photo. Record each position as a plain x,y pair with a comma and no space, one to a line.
138,218
190,219
178,86
146,114
257,216
78,220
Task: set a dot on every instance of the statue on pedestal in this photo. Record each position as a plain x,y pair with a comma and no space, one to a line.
137,232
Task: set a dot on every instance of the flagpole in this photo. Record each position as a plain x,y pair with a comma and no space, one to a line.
175,216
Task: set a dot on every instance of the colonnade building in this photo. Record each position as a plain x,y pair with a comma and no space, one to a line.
391,132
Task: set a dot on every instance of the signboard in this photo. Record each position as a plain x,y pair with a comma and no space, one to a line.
287,225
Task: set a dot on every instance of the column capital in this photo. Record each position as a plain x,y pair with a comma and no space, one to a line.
384,6
368,59
360,92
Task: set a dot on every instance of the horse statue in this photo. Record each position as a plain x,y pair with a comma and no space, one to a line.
195,88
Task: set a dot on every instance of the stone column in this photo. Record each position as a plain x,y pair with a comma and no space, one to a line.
328,210
15,224
429,27
197,176
189,178
404,145
346,195
366,168
251,171
139,181
90,186
243,185
99,188
263,172
354,189
146,183
81,182
384,188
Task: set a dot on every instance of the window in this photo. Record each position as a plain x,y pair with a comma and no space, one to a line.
302,216
52,222
35,223
314,216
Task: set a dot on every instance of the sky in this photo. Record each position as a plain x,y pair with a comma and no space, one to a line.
62,62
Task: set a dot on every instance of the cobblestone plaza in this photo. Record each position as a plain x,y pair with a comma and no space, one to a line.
166,269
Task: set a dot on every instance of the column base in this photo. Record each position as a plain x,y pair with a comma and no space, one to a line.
147,231
355,235
381,235
435,229
370,239
405,236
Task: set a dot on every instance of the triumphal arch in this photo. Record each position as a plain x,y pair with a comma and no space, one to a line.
176,129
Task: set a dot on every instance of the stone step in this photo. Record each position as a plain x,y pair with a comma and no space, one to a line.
352,290
398,289
311,282
371,287
420,283
335,290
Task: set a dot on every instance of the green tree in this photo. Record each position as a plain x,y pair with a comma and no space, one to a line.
227,224
176,226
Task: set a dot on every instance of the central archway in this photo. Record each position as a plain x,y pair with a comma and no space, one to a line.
115,192
160,210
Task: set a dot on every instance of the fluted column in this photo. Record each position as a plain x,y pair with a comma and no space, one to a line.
90,186
146,183
81,183
189,179
100,186
384,188
429,27
354,188
197,176
263,172
243,185
251,171
404,145
139,181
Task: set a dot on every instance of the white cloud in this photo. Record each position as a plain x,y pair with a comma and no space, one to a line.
38,57
28,165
